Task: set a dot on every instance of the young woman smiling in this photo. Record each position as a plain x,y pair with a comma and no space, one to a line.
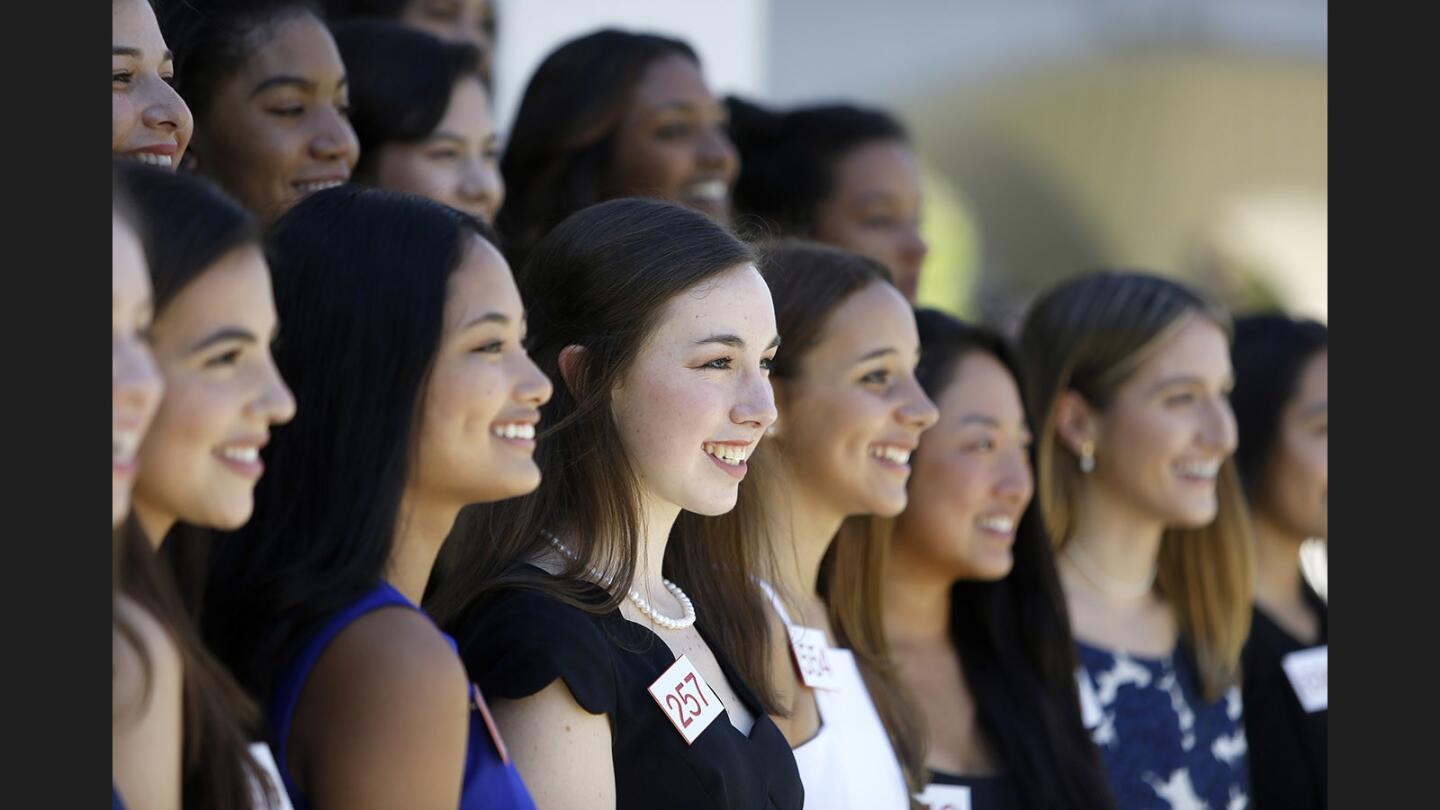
838,174
313,604
423,116
147,672
214,317
1281,400
974,614
1127,378
614,114
149,122
268,90
850,414
661,332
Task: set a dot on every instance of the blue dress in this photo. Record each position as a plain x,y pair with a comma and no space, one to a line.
1164,747
489,782
115,803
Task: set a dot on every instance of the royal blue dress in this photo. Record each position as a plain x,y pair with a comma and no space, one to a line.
489,781
1163,745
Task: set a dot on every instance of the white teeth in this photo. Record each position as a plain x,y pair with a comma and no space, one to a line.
123,445
1200,469
890,453
998,523
514,430
709,191
150,159
318,185
731,454
245,455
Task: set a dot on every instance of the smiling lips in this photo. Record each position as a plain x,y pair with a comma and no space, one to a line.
729,456
162,154
242,457
124,445
892,456
1203,472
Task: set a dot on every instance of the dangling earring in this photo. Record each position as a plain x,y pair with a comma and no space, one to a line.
1087,457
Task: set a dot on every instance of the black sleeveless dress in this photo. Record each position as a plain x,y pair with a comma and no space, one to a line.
519,641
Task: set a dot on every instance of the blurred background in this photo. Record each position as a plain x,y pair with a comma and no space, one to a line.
1186,137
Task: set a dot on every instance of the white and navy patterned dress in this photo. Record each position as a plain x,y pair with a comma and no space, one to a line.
1164,747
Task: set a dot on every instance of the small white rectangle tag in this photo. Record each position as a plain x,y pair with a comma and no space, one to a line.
945,797
810,651
1309,673
686,699
1090,711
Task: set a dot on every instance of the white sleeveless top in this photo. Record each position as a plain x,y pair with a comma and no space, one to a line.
261,752
848,764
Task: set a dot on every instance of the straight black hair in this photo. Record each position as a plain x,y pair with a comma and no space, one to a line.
1013,635
787,160
400,83
361,278
1269,354
561,146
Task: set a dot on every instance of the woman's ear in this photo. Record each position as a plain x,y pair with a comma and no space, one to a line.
573,361
1076,423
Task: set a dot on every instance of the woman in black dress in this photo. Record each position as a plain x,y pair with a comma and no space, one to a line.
1281,405
609,689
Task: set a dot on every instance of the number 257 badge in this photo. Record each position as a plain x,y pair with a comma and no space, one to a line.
686,699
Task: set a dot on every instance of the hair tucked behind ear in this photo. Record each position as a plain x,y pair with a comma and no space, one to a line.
1088,335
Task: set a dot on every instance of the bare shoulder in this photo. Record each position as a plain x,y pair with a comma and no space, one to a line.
548,733
382,719
147,648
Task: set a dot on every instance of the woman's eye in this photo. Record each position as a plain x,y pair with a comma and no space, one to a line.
1177,400
673,131
719,363
444,154
227,359
120,76
493,347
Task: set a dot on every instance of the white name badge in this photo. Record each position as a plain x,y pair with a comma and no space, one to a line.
945,797
686,699
261,753
1090,712
1309,673
812,658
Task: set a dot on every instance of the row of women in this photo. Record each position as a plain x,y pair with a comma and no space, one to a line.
593,477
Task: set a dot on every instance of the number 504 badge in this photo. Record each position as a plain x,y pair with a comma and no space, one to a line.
686,699
811,652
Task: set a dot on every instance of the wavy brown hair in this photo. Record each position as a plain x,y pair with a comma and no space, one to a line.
1089,334
602,280
808,282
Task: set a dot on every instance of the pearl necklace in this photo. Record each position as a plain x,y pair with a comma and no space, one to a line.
1093,574
640,602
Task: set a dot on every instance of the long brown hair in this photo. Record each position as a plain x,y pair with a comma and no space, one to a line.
601,280
217,770
808,281
1089,335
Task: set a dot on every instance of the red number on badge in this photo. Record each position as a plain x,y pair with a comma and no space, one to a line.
679,710
698,690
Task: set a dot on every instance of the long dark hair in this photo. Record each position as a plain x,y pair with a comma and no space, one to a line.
1269,354
808,281
360,279
787,160
1013,634
601,280
400,83
186,225
560,151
